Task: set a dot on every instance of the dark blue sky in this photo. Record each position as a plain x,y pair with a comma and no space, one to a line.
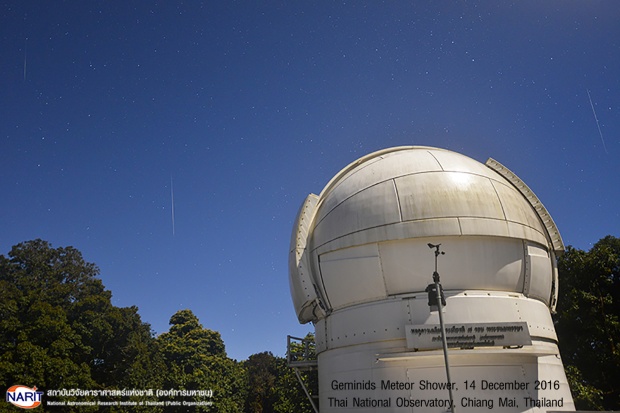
247,107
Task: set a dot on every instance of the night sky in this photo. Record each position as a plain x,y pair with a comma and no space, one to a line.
113,112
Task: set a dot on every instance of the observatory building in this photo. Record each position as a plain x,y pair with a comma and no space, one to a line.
360,265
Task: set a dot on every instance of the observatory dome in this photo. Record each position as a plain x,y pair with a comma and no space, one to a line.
360,266
352,243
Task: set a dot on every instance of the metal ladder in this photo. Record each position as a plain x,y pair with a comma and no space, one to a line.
301,356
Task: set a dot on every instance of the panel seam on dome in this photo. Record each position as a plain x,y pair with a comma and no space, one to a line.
499,198
436,160
458,218
400,207
327,303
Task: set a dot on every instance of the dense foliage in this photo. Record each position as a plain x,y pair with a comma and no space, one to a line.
195,359
588,323
59,330
274,387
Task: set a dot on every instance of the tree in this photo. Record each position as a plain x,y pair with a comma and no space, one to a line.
290,396
263,371
195,359
588,323
58,328
273,385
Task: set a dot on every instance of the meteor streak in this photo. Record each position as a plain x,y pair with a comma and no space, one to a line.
597,124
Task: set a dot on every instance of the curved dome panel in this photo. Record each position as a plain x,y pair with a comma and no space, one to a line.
399,188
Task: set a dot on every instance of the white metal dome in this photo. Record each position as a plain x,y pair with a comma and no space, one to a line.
408,193
359,265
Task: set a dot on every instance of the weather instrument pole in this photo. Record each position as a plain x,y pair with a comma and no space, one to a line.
440,301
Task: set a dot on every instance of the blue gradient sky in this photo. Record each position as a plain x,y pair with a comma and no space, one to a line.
246,107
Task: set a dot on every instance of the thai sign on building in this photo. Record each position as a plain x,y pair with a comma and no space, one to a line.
468,335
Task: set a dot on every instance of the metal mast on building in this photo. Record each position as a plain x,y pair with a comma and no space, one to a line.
437,298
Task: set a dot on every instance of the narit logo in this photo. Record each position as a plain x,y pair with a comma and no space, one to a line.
24,397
